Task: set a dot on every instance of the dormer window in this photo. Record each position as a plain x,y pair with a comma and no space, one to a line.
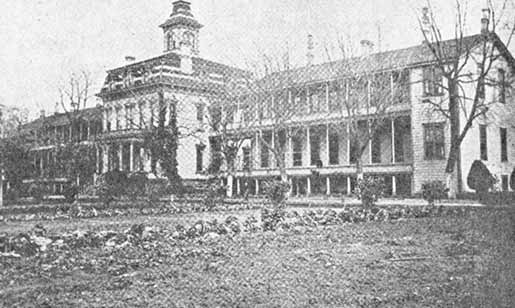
170,41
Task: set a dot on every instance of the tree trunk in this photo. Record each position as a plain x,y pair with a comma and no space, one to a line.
452,160
359,169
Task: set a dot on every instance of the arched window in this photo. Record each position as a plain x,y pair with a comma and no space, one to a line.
188,38
170,41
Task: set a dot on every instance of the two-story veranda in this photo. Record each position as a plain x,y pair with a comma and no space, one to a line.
320,155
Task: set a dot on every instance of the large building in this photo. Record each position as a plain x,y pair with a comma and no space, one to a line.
319,155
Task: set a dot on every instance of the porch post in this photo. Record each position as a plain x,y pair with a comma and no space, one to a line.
141,158
308,186
328,185
308,146
257,187
348,186
327,96
120,157
348,143
393,139
290,181
238,186
327,159
394,185
131,157
289,160
105,157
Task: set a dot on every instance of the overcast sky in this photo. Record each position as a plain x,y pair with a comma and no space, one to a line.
43,41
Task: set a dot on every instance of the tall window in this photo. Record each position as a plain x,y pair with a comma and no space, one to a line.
246,158
483,142
434,141
376,148
334,149
200,112
265,152
200,157
297,150
502,86
118,115
505,182
480,83
432,80
504,144
314,142
141,116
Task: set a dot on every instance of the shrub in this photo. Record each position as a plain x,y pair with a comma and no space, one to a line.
70,193
480,179
276,191
369,189
36,191
214,195
137,183
434,190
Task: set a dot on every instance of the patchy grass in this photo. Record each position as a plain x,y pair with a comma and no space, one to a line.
452,261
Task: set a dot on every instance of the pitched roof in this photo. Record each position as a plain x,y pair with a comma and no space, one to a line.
60,119
383,61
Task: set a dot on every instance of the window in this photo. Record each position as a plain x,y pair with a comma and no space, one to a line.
336,95
434,141
199,158
200,112
129,109
314,142
246,158
376,148
141,120
229,114
265,152
483,147
505,182
502,86
297,150
118,114
432,81
334,149
504,145
480,83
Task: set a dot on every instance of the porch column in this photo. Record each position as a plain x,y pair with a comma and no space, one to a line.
98,158
289,160
308,146
327,159
131,157
230,183
105,157
1,187
349,192
120,156
394,185
257,187
142,158
238,186
147,158
328,185
327,96
290,181
273,161
348,143
308,186
393,139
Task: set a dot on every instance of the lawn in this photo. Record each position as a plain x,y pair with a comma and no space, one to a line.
455,260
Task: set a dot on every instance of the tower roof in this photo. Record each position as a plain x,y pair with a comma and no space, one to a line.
181,15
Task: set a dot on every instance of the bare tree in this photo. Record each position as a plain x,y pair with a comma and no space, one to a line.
364,96
463,89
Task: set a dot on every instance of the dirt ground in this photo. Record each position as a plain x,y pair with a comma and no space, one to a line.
454,261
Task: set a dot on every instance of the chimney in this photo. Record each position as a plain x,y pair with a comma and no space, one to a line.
42,113
367,47
310,56
130,59
426,23
485,21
